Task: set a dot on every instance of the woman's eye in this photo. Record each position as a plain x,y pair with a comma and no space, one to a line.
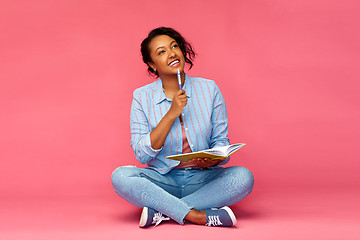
161,52
175,45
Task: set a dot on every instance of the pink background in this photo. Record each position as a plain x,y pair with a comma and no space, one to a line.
288,71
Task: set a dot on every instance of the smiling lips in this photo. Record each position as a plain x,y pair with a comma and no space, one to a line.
174,62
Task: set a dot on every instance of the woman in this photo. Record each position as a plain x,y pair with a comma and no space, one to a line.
166,120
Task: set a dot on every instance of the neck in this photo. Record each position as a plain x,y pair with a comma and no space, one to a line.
170,82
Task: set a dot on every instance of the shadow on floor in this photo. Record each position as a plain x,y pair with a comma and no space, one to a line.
129,216
246,213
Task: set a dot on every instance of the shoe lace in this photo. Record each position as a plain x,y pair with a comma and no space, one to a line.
158,218
213,221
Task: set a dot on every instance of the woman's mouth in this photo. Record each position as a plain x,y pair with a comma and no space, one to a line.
174,63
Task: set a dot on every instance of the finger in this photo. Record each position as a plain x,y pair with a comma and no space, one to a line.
182,97
194,160
180,92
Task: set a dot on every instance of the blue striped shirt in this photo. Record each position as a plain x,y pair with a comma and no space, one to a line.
205,121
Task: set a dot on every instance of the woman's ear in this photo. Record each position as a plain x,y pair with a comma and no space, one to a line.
152,66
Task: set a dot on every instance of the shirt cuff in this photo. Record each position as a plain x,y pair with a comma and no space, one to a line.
225,161
146,146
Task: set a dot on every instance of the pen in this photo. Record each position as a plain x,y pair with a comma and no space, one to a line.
179,78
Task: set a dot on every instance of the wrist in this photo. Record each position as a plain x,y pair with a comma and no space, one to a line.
170,116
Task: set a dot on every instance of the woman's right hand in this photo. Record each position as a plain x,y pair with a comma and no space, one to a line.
179,101
205,162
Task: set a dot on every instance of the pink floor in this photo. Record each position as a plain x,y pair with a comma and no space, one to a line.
265,214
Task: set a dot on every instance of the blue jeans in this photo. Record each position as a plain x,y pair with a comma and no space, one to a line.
177,192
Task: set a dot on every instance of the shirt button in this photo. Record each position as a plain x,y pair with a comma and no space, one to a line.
183,114
186,129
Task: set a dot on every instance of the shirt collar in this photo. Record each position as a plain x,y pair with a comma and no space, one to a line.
160,95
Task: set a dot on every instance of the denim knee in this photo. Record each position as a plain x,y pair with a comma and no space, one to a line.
120,175
245,176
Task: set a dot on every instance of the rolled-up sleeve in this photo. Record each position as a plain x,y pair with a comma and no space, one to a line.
140,131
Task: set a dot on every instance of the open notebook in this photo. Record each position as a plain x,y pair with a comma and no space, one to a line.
213,153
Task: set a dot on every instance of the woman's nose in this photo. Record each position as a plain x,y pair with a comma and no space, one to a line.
172,53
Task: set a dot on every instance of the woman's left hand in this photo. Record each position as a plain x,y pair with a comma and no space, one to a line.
205,162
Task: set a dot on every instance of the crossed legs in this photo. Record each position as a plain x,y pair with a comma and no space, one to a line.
183,193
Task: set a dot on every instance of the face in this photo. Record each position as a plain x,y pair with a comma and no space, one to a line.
166,55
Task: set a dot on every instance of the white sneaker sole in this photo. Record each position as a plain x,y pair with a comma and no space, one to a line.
144,217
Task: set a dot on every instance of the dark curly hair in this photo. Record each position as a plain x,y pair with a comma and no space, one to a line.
185,47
